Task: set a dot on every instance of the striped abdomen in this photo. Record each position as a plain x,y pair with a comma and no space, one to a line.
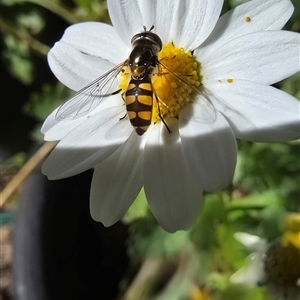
139,101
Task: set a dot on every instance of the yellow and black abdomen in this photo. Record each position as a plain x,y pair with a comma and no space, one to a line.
139,102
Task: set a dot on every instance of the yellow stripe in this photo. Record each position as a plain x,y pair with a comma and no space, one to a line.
130,86
147,100
131,114
146,115
129,99
146,86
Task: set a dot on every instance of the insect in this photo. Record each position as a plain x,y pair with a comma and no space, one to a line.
141,63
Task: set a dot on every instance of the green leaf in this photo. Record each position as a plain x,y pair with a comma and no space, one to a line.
203,233
228,250
254,201
32,21
245,293
149,240
291,85
138,209
264,167
217,281
17,56
41,104
92,9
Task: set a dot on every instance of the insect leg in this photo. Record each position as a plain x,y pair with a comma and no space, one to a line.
123,97
122,118
116,92
159,114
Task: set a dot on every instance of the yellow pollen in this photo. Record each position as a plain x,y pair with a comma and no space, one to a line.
172,91
247,19
125,78
229,80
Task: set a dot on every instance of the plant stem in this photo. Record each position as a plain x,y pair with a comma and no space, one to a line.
146,275
25,171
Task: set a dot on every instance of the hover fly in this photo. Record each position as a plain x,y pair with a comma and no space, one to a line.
142,64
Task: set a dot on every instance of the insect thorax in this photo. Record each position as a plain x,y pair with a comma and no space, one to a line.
142,61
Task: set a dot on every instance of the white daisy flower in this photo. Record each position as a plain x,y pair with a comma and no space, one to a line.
232,60
253,273
275,264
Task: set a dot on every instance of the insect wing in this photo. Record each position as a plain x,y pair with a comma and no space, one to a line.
208,110
89,97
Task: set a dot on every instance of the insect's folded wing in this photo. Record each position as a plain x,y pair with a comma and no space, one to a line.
91,96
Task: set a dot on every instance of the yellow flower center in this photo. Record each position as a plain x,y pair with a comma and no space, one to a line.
291,230
173,93
173,82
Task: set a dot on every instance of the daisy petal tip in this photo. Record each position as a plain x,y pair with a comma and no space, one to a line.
52,172
107,221
244,237
100,213
212,186
175,225
250,241
178,217
238,277
46,171
244,277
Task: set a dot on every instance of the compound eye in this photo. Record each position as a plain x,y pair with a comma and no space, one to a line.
156,39
147,36
135,38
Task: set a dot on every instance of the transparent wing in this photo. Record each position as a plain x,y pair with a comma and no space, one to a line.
209,111
89,97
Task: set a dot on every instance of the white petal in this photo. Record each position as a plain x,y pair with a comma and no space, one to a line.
117,182
256,112
55,130
126,17
198,18
97,39
129,17
74,68
173,194
88,144
264,15
166,17
252,274
185,22
263,57
210,150
252,242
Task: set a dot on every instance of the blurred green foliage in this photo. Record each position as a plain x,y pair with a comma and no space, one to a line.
17,56
265,187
